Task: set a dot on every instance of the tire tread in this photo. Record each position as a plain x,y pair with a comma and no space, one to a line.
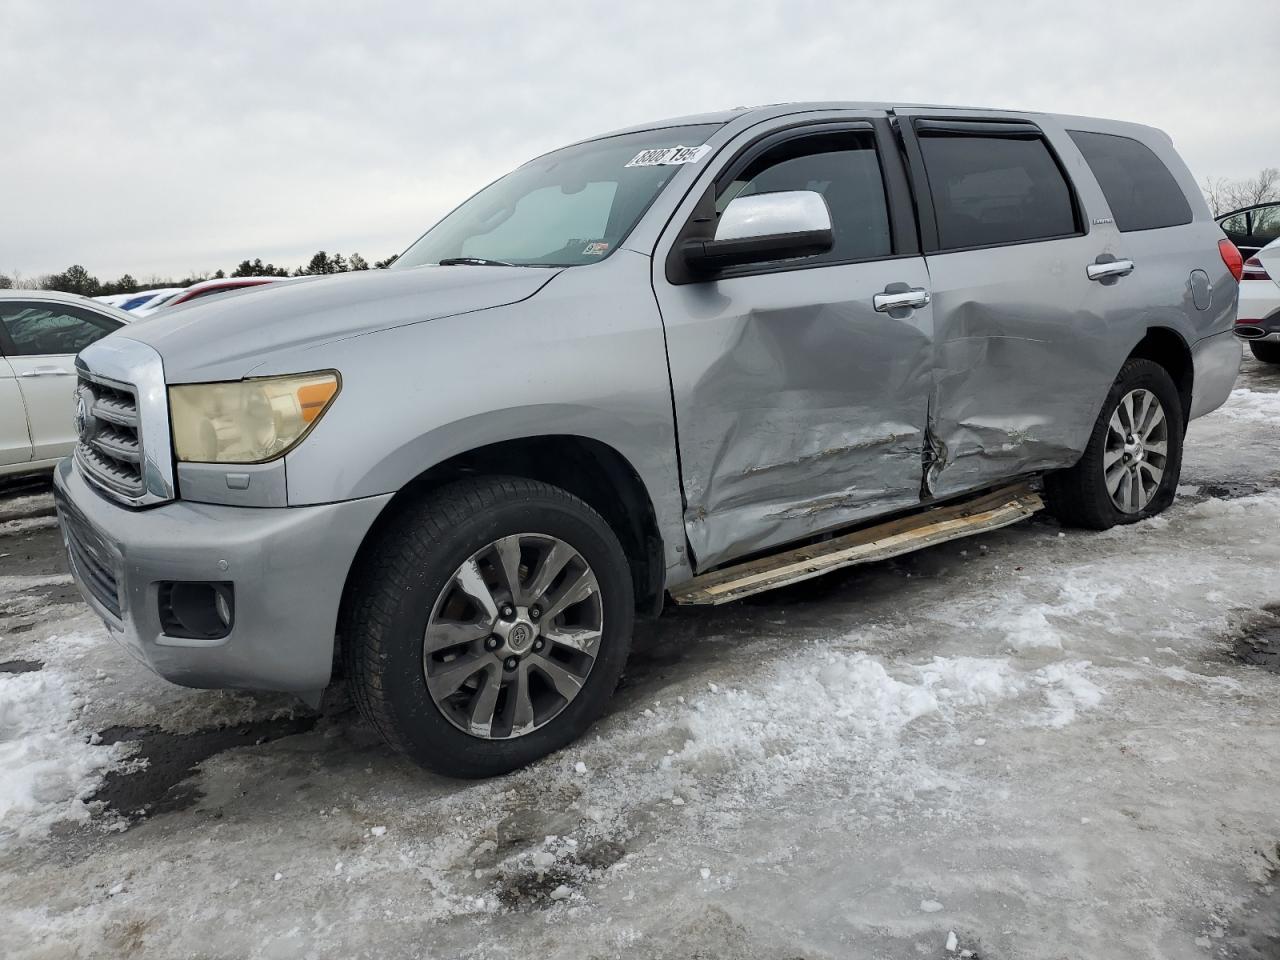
1073,495
406,544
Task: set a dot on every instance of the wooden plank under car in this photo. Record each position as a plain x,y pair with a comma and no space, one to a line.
988,511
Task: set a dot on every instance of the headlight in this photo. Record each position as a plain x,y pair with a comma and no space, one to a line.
247,421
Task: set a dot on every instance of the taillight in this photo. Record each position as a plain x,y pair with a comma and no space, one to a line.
1254,270
1231,257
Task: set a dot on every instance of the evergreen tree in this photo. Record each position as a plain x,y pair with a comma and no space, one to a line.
75,279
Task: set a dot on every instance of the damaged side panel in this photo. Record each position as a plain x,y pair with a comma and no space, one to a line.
799,407
1025,352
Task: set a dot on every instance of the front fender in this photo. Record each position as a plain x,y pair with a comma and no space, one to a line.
584,357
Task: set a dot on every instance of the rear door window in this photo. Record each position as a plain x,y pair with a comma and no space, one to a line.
994,189
1139,188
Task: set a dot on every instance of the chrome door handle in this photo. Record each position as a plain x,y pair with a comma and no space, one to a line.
904,299
45,372
1109,268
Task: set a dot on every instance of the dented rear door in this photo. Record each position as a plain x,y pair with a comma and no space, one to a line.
1024,345
800,406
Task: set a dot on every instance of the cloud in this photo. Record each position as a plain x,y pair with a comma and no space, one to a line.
161,137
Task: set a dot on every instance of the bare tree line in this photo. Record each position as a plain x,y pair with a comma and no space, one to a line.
1226,195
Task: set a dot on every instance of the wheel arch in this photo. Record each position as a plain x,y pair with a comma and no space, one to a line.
588,468
1167,347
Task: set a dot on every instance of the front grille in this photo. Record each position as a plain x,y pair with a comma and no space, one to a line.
90,561
110,446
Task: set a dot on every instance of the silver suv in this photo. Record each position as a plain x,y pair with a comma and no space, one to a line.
689,360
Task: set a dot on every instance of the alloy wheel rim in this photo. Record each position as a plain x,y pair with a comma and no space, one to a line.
1136,452
513,636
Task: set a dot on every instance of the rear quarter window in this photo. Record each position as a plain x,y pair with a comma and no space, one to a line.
995,189
1139,188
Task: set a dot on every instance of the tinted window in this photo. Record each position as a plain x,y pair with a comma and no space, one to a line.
843,167
1264,225
50,328
1140,190
990,189
1236,227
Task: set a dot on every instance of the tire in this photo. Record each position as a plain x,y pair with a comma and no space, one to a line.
1082,497
1266,352
420,570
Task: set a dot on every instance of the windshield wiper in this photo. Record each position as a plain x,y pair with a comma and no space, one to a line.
473,262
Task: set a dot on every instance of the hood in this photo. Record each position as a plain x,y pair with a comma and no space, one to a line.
212,339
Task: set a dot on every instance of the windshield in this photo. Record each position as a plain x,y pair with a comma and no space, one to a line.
570,207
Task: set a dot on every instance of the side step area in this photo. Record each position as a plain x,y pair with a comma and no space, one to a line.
990,511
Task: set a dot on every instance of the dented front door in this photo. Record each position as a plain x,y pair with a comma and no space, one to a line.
799,406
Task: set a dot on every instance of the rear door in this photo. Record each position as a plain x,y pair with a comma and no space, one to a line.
41,340
15,441
800,404
1022,353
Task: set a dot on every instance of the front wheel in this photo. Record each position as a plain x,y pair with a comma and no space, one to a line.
1130,468
488,625
1266,352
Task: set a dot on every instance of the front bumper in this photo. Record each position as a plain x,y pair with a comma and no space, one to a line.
288,566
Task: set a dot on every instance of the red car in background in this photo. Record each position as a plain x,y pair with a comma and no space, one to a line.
206,288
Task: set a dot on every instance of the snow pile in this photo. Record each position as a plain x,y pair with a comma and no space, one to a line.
815,708
47,766
25,525
1250,406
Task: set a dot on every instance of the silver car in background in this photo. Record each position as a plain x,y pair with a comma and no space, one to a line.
688,360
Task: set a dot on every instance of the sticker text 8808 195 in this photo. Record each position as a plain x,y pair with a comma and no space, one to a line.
668,156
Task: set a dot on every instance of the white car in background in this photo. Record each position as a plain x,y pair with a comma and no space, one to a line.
1258,317
40,334
115,299
148,301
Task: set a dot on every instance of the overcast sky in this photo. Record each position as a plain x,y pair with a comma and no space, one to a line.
169,138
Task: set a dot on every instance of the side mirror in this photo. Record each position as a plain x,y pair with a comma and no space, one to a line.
764,227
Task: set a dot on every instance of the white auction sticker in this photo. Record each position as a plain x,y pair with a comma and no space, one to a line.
668,156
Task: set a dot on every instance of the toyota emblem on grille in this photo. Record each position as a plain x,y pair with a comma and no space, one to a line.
84,419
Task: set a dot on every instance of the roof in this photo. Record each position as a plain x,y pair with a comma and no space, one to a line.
770,110
1252,206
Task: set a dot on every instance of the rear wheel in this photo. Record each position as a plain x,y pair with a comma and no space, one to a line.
488,625
1130,468
1266,352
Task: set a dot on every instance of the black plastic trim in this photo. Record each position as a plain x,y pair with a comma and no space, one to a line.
713,256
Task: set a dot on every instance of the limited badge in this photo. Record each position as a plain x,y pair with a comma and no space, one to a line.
668,156
597,248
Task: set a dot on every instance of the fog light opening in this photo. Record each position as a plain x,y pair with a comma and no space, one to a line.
197,610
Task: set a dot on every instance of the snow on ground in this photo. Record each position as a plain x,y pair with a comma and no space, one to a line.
1029,744
49,766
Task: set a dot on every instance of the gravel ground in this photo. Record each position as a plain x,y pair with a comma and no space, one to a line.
1039,743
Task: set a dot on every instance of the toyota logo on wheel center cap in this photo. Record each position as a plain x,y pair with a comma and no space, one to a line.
520,636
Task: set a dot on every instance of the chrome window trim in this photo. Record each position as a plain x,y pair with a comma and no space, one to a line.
131,365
